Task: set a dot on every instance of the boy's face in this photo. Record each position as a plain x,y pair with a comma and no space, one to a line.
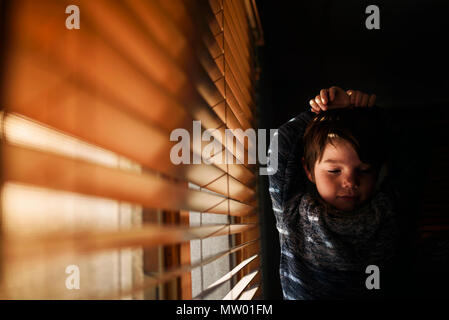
341,179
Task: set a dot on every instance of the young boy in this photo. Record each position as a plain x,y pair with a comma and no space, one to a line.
333,202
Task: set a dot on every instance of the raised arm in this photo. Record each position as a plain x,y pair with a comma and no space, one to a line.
289,179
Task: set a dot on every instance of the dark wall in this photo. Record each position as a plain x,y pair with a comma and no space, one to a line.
311,45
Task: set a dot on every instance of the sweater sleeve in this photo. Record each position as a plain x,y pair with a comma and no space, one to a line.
287,178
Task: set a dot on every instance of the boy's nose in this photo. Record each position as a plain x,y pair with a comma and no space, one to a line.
350,181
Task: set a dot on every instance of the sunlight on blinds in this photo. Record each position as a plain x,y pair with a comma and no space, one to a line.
92,203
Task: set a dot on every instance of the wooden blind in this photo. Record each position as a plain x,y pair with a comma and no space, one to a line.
86,121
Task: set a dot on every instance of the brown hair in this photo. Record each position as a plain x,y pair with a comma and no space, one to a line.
366,129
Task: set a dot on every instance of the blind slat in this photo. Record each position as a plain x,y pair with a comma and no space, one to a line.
20,248
249,294
238,33
226,277
57,172
231,57
179,271
244,100
215,5
240,286
234,46
238,20
210,41
232,38
236,111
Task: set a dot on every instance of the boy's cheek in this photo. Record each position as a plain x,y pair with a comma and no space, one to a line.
327,191
327,185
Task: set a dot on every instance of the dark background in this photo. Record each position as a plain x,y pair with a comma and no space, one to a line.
310,45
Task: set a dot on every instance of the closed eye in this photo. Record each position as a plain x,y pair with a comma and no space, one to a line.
338,171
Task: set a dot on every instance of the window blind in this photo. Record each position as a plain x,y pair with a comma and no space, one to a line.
86,123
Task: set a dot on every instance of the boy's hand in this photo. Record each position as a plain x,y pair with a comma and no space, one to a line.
336,97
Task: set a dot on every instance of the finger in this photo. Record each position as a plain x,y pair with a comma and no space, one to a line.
332,92
372,100
358,98
320,103
315,107
352,94
324,96
364,101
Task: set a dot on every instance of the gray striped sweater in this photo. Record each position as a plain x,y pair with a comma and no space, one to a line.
325,253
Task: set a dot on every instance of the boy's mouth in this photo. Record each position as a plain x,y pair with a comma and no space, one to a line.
349,198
